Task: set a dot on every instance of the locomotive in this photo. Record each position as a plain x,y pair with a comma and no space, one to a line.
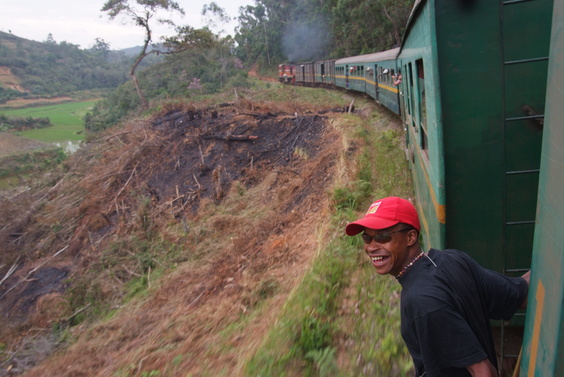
469,82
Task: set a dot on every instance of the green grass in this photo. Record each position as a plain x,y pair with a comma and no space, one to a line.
67,120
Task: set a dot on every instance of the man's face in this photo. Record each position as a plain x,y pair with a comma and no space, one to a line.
389,252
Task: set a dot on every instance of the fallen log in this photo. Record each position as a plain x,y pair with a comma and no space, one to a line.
230,137
261,116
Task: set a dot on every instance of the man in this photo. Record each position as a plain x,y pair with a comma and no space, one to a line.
397,79
447,299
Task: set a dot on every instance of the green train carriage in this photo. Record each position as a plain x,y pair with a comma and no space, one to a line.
473,92
543,345
371,74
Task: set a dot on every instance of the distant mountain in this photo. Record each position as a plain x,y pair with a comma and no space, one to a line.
131,51
30,68
134,51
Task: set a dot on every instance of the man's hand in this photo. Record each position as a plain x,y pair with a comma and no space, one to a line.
483,369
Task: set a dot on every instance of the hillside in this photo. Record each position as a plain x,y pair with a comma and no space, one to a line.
30,69
176,244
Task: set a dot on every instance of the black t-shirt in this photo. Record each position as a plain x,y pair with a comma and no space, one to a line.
446,303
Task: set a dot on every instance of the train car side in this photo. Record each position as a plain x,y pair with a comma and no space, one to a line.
543,349
421,113
305,73
371,74
325,72
471,115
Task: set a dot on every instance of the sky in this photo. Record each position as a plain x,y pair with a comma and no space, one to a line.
80,22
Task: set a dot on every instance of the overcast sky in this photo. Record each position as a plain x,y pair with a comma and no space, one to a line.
80,22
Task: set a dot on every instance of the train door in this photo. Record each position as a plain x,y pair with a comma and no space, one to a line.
376,85
347,76
370,78
401,94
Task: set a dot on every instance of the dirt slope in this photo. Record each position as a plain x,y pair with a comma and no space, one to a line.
12,144
8,80
224,201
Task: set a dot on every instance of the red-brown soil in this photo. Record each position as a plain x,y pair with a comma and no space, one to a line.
8,80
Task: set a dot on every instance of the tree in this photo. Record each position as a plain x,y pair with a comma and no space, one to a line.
142,12
215,16
50,40
101,48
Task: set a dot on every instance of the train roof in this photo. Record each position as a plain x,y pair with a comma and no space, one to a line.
411,20
367,58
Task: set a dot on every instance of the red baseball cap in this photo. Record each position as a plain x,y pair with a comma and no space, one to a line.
385,213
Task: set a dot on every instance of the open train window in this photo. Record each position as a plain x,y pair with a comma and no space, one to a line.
410,91
422,103
405,97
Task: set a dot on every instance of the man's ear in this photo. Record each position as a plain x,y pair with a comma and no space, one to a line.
412,237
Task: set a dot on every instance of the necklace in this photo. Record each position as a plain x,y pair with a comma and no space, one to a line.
408,266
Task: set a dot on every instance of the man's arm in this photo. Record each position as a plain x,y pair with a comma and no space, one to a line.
483,368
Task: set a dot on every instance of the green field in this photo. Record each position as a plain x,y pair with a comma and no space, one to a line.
66,118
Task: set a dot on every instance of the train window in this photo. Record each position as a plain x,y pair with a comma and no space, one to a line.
406,96
422,103
410,90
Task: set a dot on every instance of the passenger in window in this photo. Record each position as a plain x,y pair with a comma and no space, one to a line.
397,79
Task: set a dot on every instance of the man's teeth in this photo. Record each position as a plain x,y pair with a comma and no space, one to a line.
377,259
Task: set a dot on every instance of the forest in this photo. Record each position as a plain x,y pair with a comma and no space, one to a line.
51,69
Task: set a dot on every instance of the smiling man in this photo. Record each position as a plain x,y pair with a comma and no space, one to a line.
447,299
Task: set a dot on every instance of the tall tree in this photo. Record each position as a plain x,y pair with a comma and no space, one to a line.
261,30
142,13
101,48
215,17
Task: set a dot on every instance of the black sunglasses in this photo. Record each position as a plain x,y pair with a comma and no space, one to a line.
383,237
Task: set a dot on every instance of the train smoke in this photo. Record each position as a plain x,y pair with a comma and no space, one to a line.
302,42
